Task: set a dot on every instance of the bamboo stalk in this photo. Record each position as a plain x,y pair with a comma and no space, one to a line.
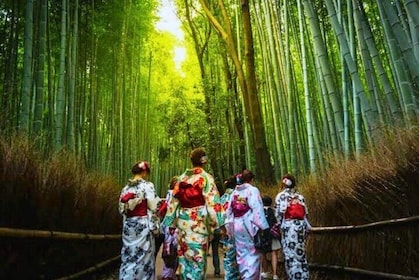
393,222
25,233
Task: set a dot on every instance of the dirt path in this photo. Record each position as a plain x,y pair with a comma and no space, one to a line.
159,267
210,267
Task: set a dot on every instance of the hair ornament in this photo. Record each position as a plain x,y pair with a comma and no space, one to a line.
239,180
144,165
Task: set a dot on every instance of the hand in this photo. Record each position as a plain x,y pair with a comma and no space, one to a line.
223,231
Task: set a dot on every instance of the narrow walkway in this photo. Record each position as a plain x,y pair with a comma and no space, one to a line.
159,268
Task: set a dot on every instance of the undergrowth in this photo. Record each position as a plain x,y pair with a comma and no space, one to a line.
58,193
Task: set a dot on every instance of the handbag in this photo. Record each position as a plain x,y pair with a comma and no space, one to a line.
263,241
275,231
169,256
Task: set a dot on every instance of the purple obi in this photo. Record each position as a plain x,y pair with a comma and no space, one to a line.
239,206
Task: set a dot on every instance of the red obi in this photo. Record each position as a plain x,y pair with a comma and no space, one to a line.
190,195
127,197
295,211
239,207
139,210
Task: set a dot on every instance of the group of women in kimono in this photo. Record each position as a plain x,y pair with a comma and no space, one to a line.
195,210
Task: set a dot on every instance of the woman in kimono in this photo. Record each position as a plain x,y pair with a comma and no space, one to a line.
195,211
291,212
170,240
246,217
137,204
231,268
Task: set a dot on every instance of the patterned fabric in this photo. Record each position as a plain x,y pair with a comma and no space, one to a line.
194,224
239,205
244,228
170,239
138,244
231,267
293,236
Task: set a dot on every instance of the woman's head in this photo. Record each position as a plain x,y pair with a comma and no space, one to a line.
230,182
266,200
140,167
247,176
288,181
198,157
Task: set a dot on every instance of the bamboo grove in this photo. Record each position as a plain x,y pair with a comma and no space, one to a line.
275,86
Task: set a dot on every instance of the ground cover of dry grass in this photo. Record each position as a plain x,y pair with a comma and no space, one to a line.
57,194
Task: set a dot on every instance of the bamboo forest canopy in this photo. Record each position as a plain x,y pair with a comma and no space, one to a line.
273,86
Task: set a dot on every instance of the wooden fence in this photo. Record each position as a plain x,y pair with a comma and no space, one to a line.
22,233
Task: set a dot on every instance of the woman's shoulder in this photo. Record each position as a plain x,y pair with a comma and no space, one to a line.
282,195
252,191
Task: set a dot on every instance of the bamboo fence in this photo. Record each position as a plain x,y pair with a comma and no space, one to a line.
25,233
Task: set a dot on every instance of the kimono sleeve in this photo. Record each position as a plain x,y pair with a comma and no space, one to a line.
172,212
213,204
255,202
152,202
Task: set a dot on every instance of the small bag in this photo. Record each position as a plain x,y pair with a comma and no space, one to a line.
170,256
263,241
275,231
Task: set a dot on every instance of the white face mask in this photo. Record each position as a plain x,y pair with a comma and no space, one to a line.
204,159
287,182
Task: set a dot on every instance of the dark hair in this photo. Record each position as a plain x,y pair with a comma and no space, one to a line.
247,176
140,166
266,200
230,182
198,157
289,177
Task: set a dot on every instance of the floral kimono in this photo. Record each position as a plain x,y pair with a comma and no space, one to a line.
137,205
195,210
291,212
246,216
231,268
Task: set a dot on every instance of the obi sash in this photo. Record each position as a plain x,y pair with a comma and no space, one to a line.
239,206
295,210
190,195
140,210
